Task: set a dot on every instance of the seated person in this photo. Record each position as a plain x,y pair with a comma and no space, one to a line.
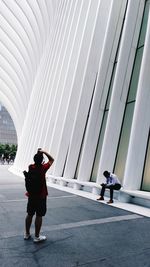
112,183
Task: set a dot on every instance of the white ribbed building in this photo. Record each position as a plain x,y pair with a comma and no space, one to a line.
75,78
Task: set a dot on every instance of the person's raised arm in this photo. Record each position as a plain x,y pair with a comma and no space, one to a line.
50,158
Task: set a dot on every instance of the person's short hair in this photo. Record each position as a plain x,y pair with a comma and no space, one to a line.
106,174
38,158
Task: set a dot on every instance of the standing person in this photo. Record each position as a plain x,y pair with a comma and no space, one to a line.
37,203
112,183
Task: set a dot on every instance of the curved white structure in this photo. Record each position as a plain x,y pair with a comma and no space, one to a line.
74,76
24,31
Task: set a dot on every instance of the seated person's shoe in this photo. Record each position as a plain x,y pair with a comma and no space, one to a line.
110,201
100,198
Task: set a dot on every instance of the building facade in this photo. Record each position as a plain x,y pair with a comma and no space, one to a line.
7,129
75,77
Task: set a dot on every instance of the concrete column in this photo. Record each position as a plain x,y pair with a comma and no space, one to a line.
121,85
106,64
74,81
93,42
141,123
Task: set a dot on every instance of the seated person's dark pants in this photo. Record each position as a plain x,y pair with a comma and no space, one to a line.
111,187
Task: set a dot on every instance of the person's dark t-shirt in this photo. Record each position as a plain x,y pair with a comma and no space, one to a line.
42,169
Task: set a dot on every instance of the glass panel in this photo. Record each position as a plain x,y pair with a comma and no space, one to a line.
144,25
78,165
110,88
135,75
98,152
124,141
146,177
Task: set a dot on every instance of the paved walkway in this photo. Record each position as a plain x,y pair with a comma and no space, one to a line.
80,231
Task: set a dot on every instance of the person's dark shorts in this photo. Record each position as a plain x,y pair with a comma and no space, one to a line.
36,205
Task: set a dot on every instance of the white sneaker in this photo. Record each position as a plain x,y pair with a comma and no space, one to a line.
27,236
41,238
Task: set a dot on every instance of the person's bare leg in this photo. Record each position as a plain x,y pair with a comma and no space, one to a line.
28,222
38,224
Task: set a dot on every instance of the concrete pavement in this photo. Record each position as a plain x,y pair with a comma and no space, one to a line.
80,231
